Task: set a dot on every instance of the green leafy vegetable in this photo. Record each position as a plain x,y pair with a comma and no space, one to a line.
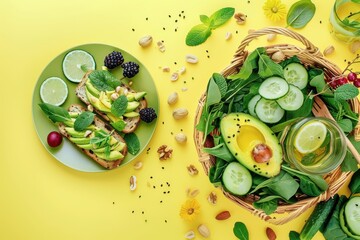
354,184
119,125
118,107
240,231
220,151
349,164
213,93
215,173
294,235
200,33
55,113
346,92
83,121
268,67
267,206
133,143
221,83
300,13
101,139
103,80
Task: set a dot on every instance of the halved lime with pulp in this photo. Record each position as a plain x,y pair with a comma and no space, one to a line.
54,91
76,63
310,137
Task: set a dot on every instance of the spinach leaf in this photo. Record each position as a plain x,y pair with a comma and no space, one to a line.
241,231
345,124
83,121
293,59
349,164
268,67
267,206
281,126
198,35
213,94
55,113
103,80
220,151
132,142
303,111
217,171
118,107
236,86
300,13
354,184
221,16
346,92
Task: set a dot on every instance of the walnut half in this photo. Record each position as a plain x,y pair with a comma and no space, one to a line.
165,152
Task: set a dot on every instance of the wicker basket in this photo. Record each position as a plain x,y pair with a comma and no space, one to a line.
310,56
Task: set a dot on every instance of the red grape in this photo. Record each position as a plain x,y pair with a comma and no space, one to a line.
54,139
342,81
351,76
357,82
333,84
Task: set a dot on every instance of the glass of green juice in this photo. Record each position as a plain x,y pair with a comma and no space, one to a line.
314,145
345,20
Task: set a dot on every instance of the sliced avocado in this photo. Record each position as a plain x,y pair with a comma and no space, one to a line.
70,123
131,114
114,155
92,89
139,95
113,118
80,141
244,135
96,102
86,146
74,114
119,146
130,97
105,100
131,106
75,133
109,93
113,140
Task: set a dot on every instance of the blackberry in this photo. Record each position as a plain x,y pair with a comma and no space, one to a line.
130,69
147,114
113,60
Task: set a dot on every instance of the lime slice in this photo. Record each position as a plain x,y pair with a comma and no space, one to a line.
54,91
76,63
310,137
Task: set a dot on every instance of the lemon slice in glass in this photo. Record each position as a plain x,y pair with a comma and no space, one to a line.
76,63
310,137
54,91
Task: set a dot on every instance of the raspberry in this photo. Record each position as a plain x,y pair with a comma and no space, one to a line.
147,114
130,69
113,60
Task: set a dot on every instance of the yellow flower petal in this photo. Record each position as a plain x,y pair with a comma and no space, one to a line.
274,10
190,209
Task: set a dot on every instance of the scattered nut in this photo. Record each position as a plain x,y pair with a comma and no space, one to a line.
204,231
165,152
138,165
145,41
114,96
355,46
174,77
271,37
223,215
329,50
192,192
190,235
87,133
228,35
240,18
212,198
161,46
191,58
118,89
182,70
270,234
90,108
166,69
132,183
180,113
278,56
173,98
192,170
184,89
180,138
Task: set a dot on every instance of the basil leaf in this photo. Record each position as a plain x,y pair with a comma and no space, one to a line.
118,107
83,121
268,67
205,20
241,231
198,35
55,113
119,125
300,13
346,92
221,16
103,80
133,143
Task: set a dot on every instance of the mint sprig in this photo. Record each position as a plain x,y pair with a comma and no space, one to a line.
200,33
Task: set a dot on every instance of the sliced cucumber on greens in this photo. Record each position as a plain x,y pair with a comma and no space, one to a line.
296,74
252,103
352,215
293,100
269,111
237,179
273,88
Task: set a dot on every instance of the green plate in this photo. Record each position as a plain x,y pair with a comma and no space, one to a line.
67,153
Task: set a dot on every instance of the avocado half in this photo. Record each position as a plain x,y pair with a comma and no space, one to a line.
248,138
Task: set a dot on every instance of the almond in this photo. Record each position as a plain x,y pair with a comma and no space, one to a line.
270,234
223,215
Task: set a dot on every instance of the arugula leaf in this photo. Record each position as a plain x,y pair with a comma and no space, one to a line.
346,92
55,113
354,184
103,80
198,35
132,142
300,13
83,121
119,125
268,67
221,16
241,231
118,107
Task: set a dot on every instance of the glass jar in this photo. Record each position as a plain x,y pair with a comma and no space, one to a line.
345,20
323,158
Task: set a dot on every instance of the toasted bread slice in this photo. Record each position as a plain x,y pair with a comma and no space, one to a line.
131,122
76,108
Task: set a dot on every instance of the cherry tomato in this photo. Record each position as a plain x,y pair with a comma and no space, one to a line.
54,139
351,76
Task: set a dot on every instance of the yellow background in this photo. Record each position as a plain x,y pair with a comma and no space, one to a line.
43,199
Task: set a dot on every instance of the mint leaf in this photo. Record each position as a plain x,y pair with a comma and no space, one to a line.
205,20
198,35
221,16
345,124
241,231
119,125
300,13
103,80
133,143
55,113
83,121
118,107
346,92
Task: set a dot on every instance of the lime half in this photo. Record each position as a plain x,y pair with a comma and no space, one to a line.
76,63
310,137
54,91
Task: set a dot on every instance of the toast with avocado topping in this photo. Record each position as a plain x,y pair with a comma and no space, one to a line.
114,101
98,140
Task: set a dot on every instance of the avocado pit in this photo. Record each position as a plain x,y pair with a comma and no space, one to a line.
261,153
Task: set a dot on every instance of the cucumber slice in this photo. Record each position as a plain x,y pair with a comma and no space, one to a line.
252,103
352,215
237,179
269,111
273,88
293,100
296,74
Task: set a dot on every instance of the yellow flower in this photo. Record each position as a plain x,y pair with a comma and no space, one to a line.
190,209
274,10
